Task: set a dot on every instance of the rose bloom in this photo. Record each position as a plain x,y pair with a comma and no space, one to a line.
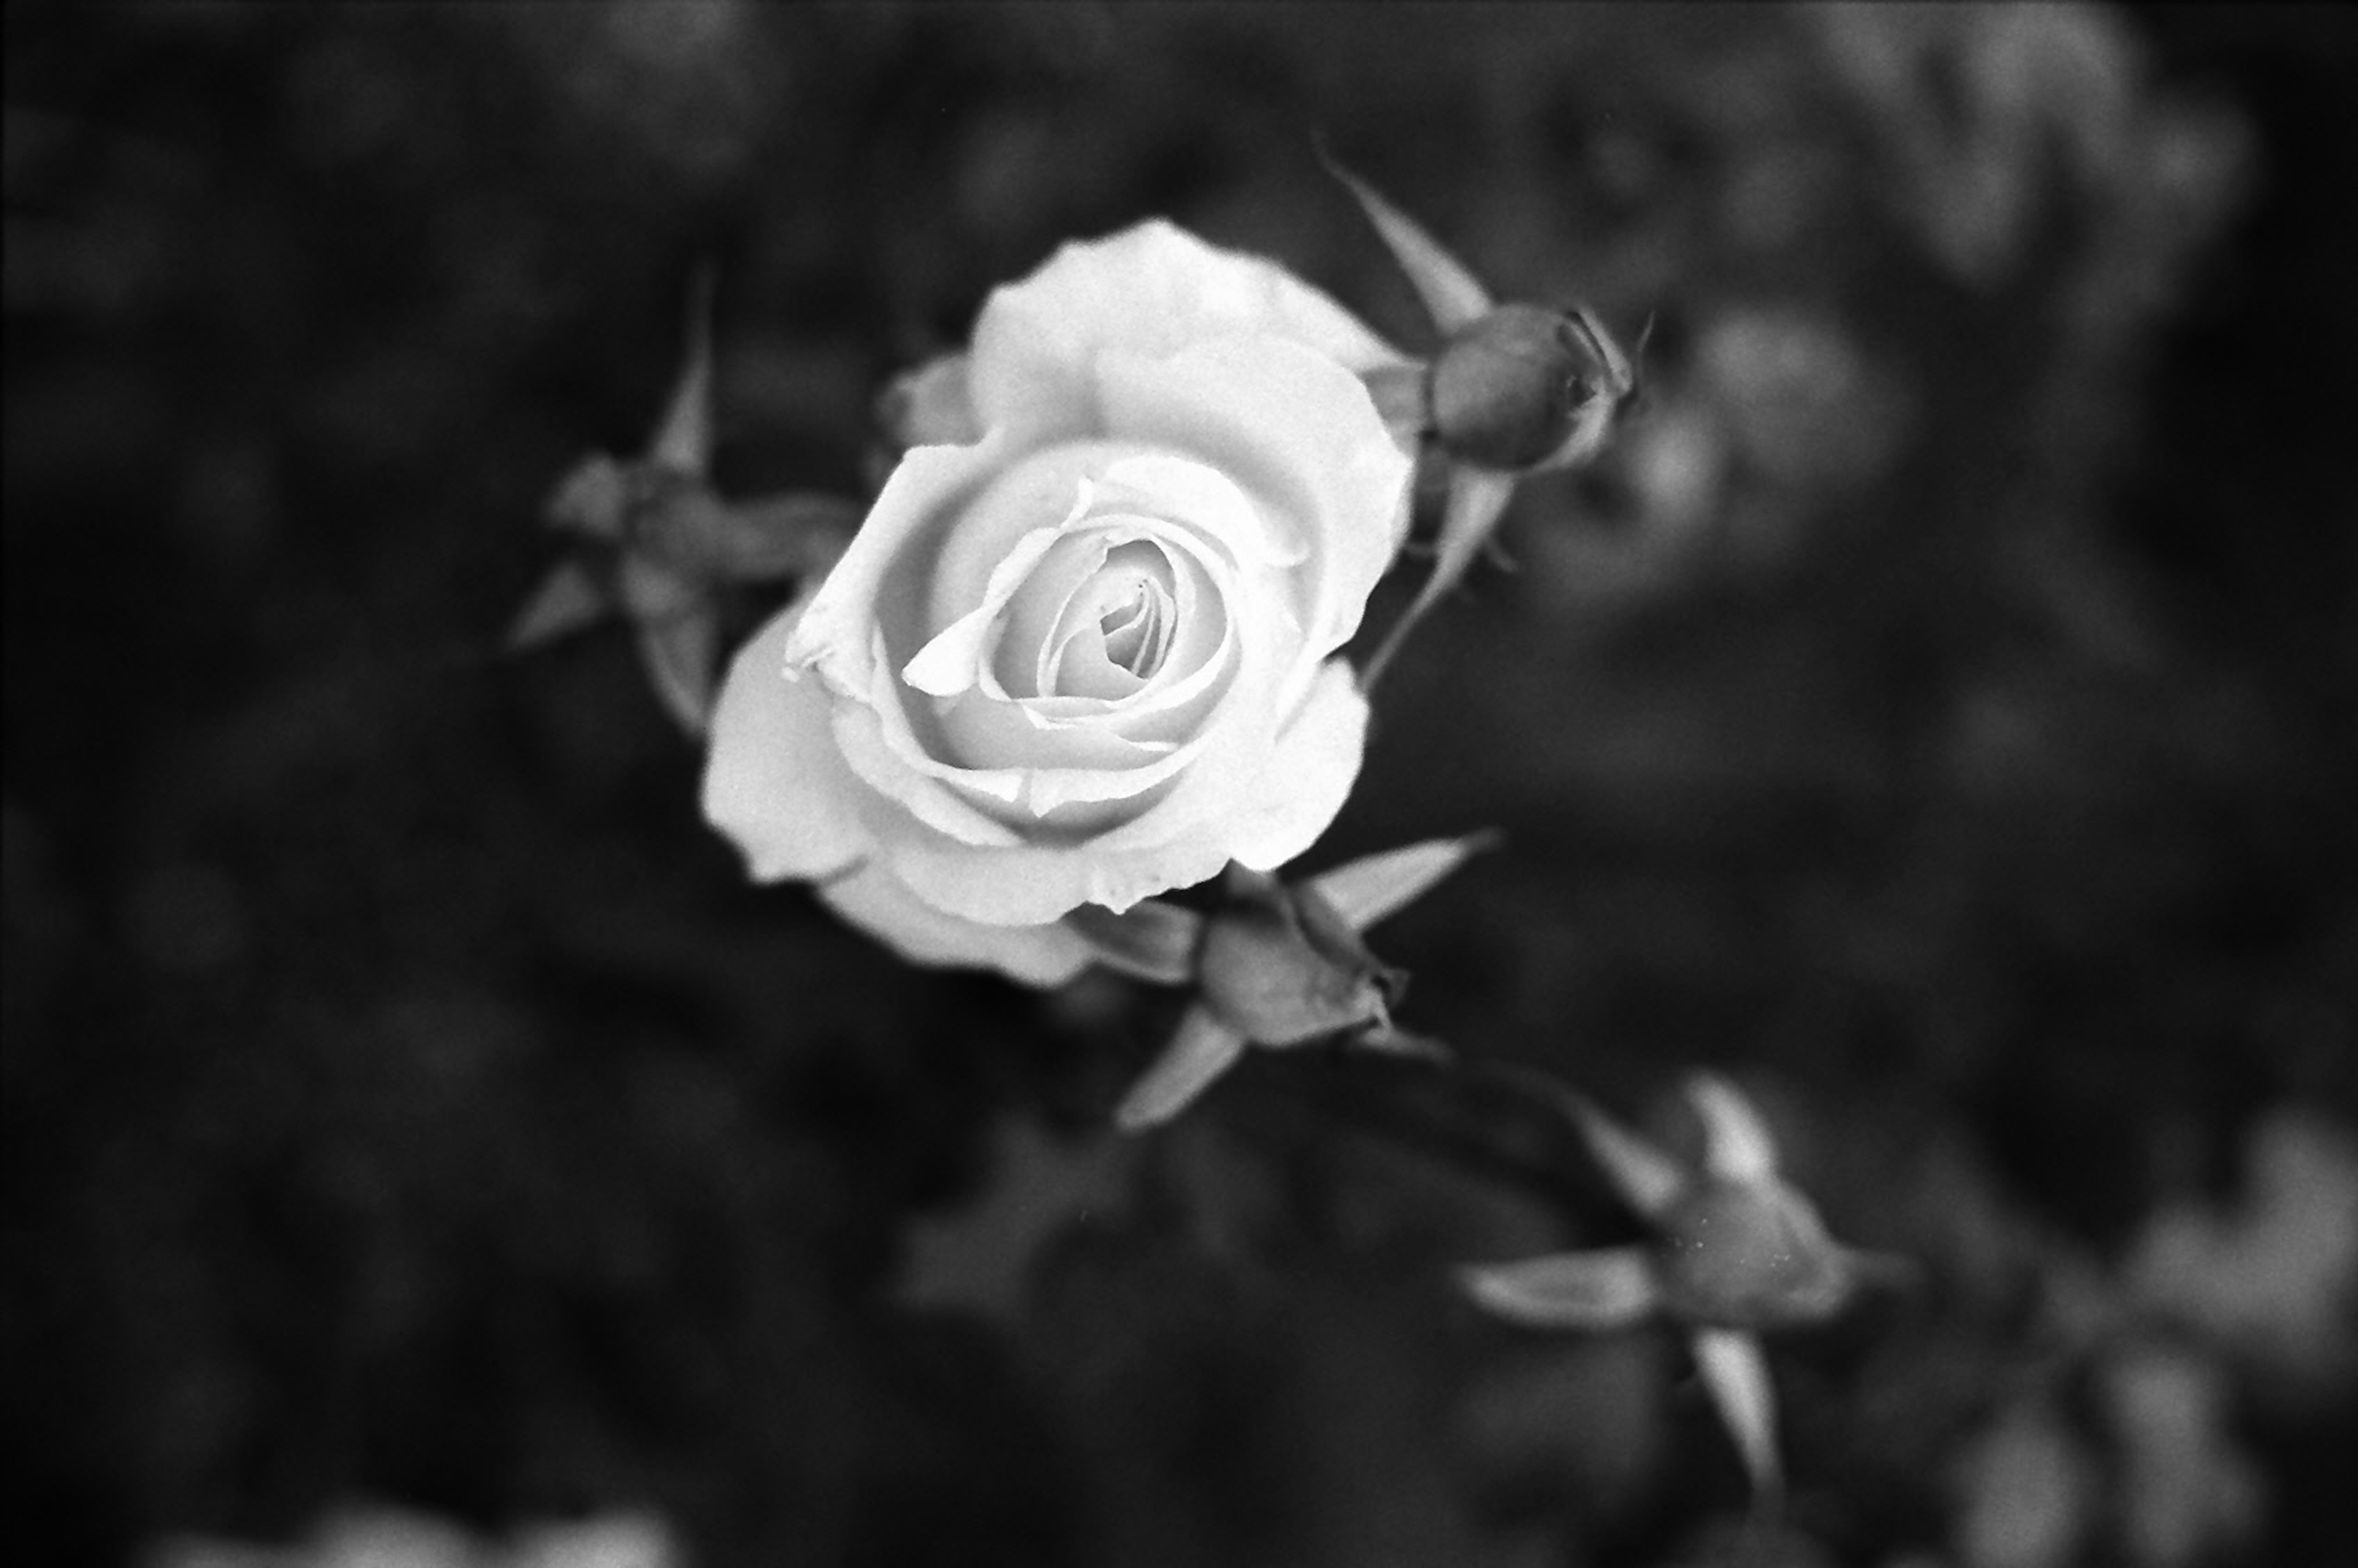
1080,649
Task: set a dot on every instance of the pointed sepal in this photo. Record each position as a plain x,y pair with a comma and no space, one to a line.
1203,1049
592,500
1737,1146
1153,939
1375,887
1735,1373
682,439
1453,295
1648,1180
690,528
568,599
682,653
1477,499
1595,1291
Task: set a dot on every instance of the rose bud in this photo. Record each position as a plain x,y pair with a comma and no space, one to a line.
1086,648
1288,965
658,543
1750,1255
1523,389
1514,390
1281,967
1735,1250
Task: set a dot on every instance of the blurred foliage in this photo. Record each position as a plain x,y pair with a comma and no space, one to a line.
1936,713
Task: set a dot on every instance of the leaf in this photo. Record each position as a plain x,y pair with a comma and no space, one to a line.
1202,1050
1452,295
1606,1288
1477,499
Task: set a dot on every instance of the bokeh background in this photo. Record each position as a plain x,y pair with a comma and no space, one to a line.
1937,712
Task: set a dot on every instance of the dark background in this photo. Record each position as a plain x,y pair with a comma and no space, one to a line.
1937,711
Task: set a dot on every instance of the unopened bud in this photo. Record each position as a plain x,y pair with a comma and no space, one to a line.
1281,967
1523,388
1750,1255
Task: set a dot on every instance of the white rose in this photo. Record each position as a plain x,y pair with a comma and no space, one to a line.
1081,652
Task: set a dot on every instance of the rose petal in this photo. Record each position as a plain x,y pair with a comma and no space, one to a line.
1148,290
1298,430
774,781
953,662
872,900
1033,883
1263,817
1309,774
880,580
1102,761
1215,504
847,634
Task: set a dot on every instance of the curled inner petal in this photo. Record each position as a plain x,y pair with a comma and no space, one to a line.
1086,614
1116,630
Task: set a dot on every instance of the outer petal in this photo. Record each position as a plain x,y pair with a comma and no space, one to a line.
774,781
882,576
777,784
868,616
1031,884
1264,818
1151,290
874,899
1308,777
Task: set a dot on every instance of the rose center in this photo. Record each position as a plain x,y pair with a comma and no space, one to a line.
1117,630
1137,633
